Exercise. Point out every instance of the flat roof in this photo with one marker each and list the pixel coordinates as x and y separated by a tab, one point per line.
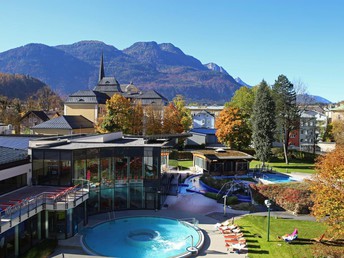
91	141
223	155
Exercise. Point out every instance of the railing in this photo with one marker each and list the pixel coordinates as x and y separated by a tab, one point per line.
13	212
193	221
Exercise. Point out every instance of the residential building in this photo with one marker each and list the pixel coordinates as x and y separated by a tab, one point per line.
203	119
31	119
64	125
337	113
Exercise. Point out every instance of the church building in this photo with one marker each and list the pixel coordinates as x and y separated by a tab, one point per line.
91	103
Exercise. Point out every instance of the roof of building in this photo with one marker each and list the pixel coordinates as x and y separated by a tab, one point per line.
8	155
340	108
73	142
204	112
205	131
213	155
40	114
87	97
66	122
16	141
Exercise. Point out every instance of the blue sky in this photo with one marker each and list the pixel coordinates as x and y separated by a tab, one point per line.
251	39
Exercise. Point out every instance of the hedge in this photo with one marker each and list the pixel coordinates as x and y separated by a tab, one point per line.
294	197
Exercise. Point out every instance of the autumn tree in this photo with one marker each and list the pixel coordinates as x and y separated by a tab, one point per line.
184	114
263	122
338	131
233	129
153	120
118	115
287	112
48	99
328	191
136	118
171	120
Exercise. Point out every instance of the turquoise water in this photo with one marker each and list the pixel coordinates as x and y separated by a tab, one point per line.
140	237
277	178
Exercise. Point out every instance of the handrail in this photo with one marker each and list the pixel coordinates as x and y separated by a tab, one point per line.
192	221
16	208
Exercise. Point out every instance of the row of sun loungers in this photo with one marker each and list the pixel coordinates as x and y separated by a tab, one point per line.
234	238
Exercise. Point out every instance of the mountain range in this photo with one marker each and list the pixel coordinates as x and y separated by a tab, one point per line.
149	65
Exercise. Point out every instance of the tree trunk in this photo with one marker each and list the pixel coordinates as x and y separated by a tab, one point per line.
285	145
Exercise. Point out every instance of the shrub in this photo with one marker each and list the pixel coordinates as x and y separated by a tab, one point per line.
320	250
294	197
43	249
213	196
232	200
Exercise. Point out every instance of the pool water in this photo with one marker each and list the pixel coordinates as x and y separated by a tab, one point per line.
141	237
277	178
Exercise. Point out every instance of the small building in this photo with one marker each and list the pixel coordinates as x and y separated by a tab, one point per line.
31	119
203	137
337	113
203	119
221	162
65	125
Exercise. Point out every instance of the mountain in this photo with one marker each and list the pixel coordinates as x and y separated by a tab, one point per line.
241	82
149	65
311	99
19	86
216	68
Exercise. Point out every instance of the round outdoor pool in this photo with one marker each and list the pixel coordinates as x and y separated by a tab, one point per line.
142	237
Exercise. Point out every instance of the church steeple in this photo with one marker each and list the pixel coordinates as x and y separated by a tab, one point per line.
101	68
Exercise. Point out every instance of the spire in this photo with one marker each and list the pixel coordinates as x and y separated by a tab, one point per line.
101	68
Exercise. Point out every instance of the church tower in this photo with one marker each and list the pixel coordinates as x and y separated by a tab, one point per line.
107	85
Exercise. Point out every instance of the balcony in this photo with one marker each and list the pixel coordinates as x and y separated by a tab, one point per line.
29	201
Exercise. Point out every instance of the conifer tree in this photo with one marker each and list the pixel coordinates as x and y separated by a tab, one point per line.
263	122
287	112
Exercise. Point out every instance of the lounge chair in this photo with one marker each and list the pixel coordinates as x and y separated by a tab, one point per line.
238	247
240	240
233	235
290	237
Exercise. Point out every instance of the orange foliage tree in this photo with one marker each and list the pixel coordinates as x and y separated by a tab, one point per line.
328	191
338	132
153	120
233	129
137	119
117	116
171	121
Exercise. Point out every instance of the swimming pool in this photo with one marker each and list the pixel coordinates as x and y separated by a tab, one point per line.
142	237
269	178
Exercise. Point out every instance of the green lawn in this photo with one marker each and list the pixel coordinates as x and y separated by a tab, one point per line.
255	232
183	164
293	166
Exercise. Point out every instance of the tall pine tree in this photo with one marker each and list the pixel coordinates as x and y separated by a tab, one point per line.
263	122
287	111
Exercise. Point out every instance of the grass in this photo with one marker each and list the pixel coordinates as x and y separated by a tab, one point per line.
183	164
293	166
255	232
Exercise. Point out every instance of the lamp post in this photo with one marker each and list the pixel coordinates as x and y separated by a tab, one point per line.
268	204
224	204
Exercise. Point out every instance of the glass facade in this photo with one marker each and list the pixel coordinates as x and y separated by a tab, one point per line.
120	178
